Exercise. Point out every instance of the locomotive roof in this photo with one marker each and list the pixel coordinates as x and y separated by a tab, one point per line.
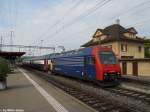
77	52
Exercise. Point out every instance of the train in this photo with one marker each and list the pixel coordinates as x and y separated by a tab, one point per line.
95	63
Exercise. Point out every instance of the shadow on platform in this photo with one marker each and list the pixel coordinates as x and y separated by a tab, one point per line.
19	87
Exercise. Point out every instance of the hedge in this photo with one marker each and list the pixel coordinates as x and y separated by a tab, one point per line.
4	68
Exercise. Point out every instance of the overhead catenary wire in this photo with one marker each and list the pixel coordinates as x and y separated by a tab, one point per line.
16	5
64	26
85	14
88	12
132	9
69	11
44	32
139	23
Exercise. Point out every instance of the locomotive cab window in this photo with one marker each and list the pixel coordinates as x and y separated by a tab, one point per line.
90	60
107	57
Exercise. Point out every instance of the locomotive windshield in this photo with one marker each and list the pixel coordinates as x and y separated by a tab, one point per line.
107	57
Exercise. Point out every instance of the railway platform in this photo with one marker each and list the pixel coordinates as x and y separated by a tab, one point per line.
140	79
29	93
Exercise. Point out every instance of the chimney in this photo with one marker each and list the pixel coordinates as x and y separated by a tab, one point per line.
118	21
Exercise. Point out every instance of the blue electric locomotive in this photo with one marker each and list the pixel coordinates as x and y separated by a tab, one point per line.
92	63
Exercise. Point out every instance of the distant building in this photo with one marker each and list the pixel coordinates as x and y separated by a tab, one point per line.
124	41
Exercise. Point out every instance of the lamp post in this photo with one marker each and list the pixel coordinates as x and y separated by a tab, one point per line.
41	45
11	39
53	49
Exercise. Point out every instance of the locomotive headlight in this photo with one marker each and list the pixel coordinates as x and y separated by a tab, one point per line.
106	76
118	73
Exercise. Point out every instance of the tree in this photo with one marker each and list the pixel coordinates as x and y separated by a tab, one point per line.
4	70
147	48
4	67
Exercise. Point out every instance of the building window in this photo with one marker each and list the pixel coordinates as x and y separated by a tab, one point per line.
127	57
124	47
131	35
108	46
140	48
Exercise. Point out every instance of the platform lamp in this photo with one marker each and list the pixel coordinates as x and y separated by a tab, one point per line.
41	46
53	48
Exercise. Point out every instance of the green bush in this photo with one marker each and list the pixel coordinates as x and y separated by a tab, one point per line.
4	68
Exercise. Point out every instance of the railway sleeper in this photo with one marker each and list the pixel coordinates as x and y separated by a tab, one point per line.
88	99
93	102
98	105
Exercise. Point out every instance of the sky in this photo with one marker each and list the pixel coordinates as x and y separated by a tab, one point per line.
68	23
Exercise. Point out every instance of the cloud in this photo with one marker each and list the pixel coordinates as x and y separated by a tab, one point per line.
47	20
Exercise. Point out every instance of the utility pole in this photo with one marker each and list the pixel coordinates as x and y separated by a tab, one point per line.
54	50
19	49
118	21
41	45
11	40
29	51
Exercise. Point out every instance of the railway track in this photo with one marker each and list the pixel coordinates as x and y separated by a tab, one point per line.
143	97
99	104
131	93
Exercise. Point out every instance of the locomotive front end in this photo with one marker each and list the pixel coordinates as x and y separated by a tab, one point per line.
110	65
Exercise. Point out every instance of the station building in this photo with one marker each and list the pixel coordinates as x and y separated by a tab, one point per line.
127	45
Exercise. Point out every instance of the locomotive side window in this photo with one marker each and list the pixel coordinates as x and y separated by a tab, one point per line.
108	57
90	60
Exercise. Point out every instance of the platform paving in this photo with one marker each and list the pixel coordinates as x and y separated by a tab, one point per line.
22	94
